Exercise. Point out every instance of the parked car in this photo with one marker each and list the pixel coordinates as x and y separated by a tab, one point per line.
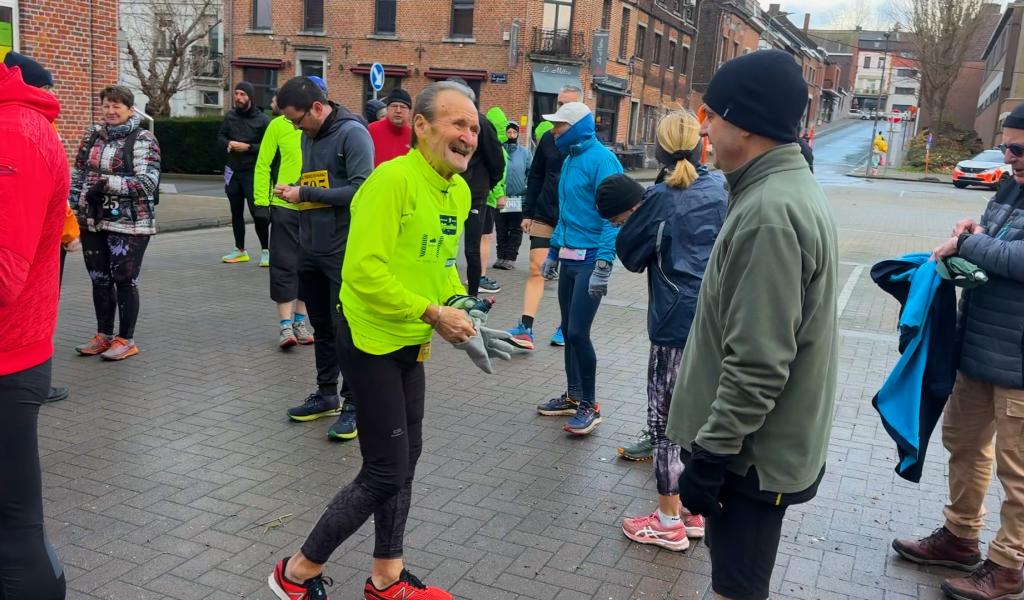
987	169
854	113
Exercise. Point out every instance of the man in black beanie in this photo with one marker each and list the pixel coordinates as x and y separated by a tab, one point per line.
240	136
753	403
988	398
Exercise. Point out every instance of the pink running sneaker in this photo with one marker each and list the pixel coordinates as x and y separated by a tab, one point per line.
649	530
694	524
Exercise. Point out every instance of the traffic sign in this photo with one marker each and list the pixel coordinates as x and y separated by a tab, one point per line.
377	77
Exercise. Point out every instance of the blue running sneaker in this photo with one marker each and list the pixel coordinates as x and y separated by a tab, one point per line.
587	419
522	336
558	407
557	339
315	407
345	427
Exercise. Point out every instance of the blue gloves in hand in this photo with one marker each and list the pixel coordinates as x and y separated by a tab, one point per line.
701	482
549	269
599	279
487	343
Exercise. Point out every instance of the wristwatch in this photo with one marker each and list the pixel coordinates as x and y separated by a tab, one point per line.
603	264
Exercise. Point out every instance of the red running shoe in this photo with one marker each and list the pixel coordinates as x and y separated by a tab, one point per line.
408	587
285	589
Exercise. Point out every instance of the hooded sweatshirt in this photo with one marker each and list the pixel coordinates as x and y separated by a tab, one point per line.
246	126
586	165
34	184
284	142
497	118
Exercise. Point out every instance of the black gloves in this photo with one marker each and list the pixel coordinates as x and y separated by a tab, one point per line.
94	201
701	482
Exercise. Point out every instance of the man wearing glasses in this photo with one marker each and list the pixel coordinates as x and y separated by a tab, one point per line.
337	157
988	399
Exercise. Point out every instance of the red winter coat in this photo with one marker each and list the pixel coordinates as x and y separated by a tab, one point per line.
34	183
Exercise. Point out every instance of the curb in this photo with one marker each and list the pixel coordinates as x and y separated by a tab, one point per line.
922	179
199	223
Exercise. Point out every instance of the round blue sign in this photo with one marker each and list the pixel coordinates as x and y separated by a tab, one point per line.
377	76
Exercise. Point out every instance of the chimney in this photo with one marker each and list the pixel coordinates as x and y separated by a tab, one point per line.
773	9
807	21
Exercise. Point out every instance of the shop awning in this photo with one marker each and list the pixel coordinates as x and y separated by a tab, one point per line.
261	63
389	71
549	78
608	84
467	74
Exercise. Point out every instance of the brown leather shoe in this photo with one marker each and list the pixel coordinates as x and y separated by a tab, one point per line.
940	548
988	582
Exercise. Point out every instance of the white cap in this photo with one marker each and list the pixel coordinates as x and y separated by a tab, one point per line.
571	113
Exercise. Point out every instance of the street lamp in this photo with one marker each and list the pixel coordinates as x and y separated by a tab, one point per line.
878	101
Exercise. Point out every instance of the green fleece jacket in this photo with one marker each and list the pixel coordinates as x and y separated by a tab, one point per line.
281	136
758	375
497	118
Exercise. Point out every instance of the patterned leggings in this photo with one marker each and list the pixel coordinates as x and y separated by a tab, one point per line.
662	369
114	261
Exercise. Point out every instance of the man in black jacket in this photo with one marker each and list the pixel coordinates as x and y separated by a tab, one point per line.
337	157
240	136
988	398
486	169
540	215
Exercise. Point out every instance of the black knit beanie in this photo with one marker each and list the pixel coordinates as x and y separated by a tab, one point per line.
32	73
400	95
763	93
246	87
617	194
1015	120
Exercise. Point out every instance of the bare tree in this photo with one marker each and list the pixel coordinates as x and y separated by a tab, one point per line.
857	13
166	44
942	30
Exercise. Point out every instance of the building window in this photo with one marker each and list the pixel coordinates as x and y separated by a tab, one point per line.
311	66
314	11
905	91
606	117
881	62
558	15
164	29
386	15
261	14
735	49
867	62
657	48
390	83
650	124
684	60
606	15
462	19
672	54
641	35
906	73
624	34
209	97
264	83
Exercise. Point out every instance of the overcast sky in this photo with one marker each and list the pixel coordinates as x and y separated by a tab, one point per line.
829	13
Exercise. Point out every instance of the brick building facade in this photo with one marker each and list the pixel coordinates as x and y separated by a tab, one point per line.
77	41
728	29
515	54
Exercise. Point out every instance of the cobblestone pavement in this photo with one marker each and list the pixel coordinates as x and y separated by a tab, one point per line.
161	473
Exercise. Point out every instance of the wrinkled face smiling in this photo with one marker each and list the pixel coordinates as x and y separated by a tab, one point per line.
450	140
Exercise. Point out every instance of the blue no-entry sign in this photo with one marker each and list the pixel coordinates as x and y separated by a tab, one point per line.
377	77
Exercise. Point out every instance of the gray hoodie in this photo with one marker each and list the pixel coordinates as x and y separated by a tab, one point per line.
334	164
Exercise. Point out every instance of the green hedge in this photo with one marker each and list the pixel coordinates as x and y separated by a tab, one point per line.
189	144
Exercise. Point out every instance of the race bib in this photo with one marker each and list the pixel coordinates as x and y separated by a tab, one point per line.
318	179
513	204
424	354
572	254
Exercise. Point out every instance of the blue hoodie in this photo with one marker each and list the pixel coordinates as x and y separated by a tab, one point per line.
587	164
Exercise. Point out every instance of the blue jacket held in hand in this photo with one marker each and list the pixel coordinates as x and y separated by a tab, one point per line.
913	396
671	235
586	165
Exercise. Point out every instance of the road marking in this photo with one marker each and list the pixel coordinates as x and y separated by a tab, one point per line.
869	335
844	295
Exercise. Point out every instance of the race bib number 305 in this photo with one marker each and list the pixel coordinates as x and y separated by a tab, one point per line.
316	179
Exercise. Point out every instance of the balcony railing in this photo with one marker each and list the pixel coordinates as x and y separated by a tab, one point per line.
207	64
558	42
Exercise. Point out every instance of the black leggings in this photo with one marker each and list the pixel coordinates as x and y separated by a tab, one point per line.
29	569
114	261
473	232
319	287
509	227
390	439
239	192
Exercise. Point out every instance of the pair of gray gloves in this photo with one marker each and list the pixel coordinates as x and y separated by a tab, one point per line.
598	284
488	343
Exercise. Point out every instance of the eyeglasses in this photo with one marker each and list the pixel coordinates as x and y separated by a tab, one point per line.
1015	149
297	122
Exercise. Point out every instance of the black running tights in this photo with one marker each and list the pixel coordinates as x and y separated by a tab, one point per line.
389	390
29	569
114	262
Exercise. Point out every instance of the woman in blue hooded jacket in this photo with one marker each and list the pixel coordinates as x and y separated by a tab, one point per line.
668	231
582	250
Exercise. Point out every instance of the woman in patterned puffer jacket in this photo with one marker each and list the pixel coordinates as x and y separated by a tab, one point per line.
114	188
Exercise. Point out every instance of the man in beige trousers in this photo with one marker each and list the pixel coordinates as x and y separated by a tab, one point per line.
988	399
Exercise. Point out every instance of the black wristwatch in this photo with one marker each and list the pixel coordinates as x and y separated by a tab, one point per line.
960	240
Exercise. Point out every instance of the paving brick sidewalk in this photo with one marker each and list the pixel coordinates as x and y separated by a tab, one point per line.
161	472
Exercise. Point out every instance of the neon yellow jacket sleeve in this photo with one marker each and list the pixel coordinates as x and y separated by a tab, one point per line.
261	185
